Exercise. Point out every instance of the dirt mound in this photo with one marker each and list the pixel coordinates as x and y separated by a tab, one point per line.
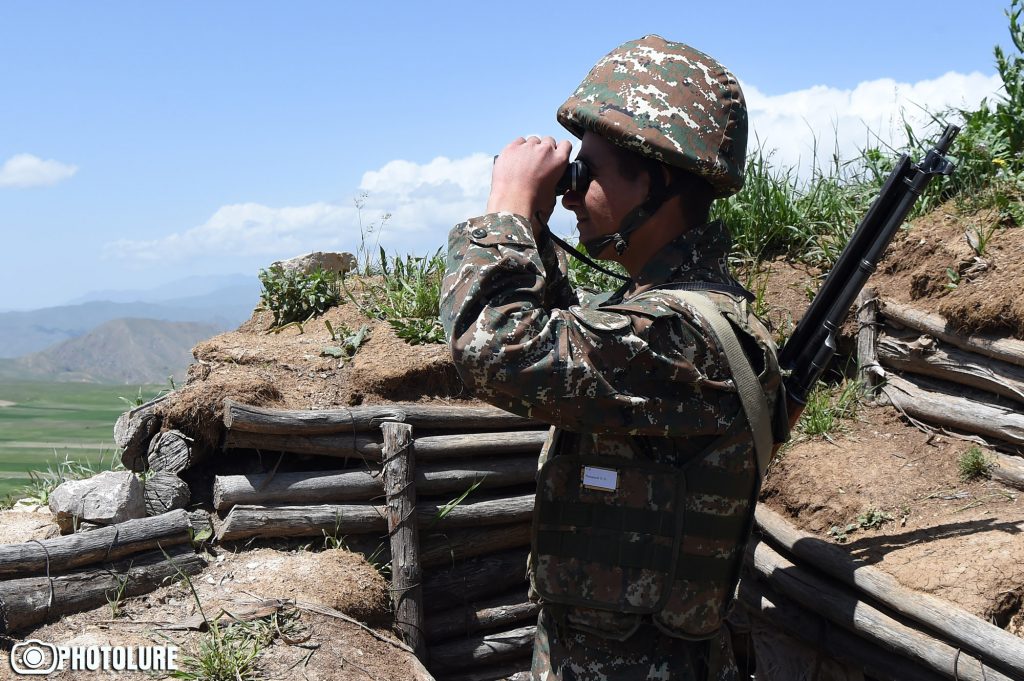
293	368
893	495
968	268
303	640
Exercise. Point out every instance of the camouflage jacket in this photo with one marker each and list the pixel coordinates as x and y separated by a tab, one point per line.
637	377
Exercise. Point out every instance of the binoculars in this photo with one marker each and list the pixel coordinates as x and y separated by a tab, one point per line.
575	178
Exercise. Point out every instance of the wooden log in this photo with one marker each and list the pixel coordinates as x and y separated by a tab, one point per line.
299	488
961	413
27	602
403	528
454	656
763	602
517	669
243	417
304	521
429	448
1006	349
444	549
1008	470
171	451
315	487
997	648
102	544
868	370
500	612
202	527
164	491
843	607
133	430
923	355
474	579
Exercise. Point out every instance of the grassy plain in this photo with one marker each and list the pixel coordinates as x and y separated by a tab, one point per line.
41	424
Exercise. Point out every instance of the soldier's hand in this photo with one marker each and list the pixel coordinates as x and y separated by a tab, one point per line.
525	175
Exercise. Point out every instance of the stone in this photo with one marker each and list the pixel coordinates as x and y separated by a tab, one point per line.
29	506
328	261
104	499
164	491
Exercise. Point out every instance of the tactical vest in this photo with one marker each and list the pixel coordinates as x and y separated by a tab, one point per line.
619	535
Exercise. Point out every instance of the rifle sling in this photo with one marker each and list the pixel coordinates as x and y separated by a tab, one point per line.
755	406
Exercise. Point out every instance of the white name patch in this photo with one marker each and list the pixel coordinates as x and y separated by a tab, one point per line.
604	479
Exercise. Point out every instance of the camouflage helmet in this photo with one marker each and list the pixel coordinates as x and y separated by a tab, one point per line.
666	101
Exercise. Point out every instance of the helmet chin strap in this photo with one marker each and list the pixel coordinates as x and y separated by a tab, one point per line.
658	194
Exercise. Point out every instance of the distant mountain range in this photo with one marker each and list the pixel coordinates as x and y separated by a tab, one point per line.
130	337
128	351
226	306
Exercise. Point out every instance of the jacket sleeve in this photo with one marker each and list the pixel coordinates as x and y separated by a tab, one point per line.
648	368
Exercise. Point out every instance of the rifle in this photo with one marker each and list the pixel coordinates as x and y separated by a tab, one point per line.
807	352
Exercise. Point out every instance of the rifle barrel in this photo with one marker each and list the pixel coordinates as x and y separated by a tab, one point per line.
808	351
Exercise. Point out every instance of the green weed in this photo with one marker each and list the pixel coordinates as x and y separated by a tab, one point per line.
349	341
224	653
828	406
451	505
42	482
229	651
870	519
407	296
974	464
115	599
954	278
294	297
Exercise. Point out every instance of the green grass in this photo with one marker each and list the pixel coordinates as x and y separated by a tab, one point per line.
51	422
407	296
974	464
828	406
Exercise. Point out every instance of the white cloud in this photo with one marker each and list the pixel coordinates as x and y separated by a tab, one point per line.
26	170
871	114
425	200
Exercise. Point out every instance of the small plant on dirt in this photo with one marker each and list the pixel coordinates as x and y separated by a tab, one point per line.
294	296
841	533
348	341
754	277
115	597
873	518
407	296
954	279
827	407
335	540
870	519
226	652
979	236
973	464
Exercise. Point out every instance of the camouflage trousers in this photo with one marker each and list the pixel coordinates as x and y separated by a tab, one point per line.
561	653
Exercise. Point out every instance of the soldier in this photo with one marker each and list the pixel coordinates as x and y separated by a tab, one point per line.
647	484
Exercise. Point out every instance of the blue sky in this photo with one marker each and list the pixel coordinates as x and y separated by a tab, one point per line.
143	142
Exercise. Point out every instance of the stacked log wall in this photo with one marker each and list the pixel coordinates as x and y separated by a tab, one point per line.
473	484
